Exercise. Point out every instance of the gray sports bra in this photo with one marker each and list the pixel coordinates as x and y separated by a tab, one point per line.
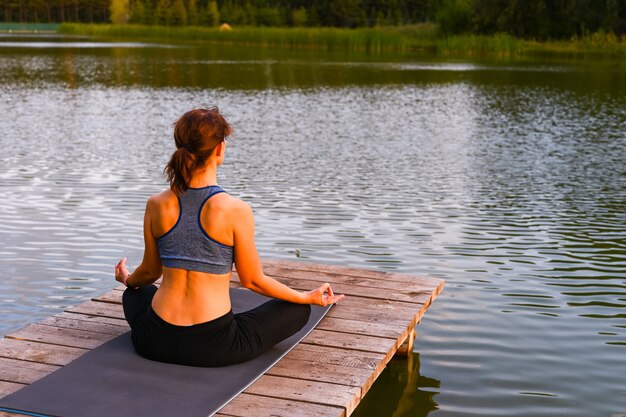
187	245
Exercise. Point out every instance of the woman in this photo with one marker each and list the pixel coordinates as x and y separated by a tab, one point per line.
193	234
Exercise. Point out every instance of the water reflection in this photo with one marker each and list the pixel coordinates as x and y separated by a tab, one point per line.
77	45
401	391
238	67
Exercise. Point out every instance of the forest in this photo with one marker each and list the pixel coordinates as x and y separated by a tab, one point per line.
524	19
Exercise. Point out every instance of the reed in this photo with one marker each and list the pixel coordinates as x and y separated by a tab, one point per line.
499	44
366	39
599	43
424	38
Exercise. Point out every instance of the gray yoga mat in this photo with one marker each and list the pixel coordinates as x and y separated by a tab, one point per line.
113	380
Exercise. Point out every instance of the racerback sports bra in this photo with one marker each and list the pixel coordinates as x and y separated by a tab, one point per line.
187	245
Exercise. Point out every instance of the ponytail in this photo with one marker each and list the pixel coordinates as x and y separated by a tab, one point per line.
196	134
178	170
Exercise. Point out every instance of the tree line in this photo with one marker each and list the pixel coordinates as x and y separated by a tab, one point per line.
538	19
54	11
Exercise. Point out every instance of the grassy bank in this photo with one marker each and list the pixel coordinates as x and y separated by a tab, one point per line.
417	38
368	39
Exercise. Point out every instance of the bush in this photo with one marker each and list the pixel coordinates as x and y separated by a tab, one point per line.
455	16
299	17
269	16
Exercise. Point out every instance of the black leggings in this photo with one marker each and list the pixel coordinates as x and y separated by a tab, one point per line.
229	339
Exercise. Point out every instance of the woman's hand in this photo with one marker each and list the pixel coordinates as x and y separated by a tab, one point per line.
121	272
324	295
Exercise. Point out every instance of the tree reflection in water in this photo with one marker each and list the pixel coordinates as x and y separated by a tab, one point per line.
399	393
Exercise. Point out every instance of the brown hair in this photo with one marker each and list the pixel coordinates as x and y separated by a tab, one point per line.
196	134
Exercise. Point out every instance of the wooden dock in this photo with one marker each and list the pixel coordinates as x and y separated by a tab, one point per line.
327	374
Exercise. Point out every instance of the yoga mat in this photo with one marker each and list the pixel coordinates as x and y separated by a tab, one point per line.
113	380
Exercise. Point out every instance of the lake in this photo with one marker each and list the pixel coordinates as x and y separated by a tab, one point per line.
507	178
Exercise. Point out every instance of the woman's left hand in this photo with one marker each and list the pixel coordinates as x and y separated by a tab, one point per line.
324	296
121	272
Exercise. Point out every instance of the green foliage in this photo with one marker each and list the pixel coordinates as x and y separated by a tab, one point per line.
237	15
269	16
299	17
211	15
455	16
162	13
344	13
313	17
523	19
119	10
193	16
179	13
139	13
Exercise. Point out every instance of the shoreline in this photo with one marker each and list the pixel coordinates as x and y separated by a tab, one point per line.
417	39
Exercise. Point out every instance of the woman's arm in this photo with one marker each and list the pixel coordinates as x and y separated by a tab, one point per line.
251	274
150	268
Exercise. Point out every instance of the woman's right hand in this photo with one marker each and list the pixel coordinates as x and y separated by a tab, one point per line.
121	272
324	295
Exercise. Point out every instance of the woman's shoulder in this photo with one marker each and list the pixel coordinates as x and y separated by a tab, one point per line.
231	203
161	200
163	196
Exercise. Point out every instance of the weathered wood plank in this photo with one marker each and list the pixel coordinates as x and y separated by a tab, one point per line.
249	405
101	309
94	319
417	284
38	352
341	270
321	372
343	325
7	388
348	341
306	391
348	310
336	356
114	297
83	324
61	336
23	372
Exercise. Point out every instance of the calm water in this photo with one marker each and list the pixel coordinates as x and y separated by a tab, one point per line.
508	179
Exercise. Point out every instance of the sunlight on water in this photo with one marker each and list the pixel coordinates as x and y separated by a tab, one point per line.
510	184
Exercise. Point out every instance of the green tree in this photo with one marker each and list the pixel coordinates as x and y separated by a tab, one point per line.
530	19
162	13
343	13
193	17
299	17
238	12
211	14
138	12
269	16
120	12
179	13
455	16
611	16
313	18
